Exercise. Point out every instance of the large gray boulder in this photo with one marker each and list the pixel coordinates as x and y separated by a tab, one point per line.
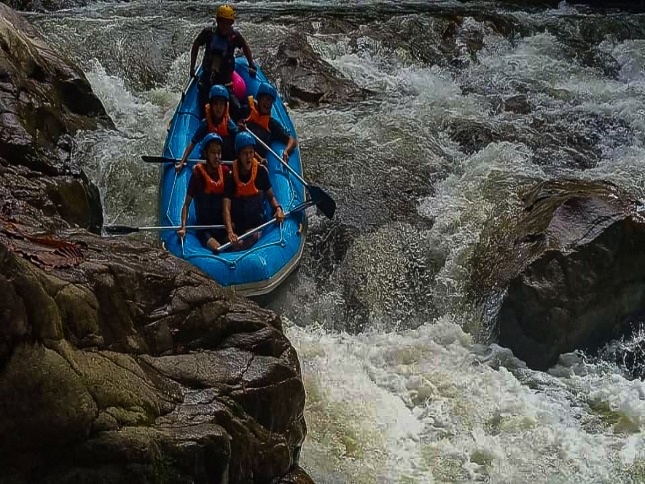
122	362
304	77
567	274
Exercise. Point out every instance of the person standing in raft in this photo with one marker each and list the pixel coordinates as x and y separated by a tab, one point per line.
245	193
206	187
218	64
217	121
260	122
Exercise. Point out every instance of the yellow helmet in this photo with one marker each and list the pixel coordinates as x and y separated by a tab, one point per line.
226	12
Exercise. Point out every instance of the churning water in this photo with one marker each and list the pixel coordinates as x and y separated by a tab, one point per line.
469	103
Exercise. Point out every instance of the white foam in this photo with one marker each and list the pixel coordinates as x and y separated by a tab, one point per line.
423	405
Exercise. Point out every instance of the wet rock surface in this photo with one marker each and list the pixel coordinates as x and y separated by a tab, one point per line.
118	362
134	361
304	78
567	274
45	5
629	5
44	101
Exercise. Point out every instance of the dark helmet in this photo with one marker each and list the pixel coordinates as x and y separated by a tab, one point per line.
218	91
208	139
242	140
267	89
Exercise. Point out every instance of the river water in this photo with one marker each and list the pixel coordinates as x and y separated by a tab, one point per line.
469	104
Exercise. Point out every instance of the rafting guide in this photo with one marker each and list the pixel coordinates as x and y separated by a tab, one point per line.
218	64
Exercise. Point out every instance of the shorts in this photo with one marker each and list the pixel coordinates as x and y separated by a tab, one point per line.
204	235
244	226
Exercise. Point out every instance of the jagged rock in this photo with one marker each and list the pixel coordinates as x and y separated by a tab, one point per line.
569	273
305	77
44	100
81	367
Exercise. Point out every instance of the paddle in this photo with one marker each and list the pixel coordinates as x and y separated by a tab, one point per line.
128	229
164	159
248	234
322	199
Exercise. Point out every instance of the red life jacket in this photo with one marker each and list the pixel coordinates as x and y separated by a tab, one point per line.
222	128
255	116
247	189
211	186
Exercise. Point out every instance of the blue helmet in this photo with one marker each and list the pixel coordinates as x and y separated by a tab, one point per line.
268	89
242	140
208	139
218	91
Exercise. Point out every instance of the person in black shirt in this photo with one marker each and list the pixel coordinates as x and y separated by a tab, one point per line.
218	64
260	122
246	189
206	187
217	121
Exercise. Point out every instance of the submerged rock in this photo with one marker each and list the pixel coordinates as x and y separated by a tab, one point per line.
628	352
553	142
568	274
118	362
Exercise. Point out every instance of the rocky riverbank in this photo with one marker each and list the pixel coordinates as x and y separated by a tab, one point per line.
118	362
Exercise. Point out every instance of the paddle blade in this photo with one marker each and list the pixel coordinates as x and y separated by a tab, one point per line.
120	229
323	200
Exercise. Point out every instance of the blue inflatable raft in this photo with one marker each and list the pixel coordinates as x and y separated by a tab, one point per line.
269	261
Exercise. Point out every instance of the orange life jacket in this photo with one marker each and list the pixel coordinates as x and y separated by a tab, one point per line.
211	187
247	189
256	117
222	127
